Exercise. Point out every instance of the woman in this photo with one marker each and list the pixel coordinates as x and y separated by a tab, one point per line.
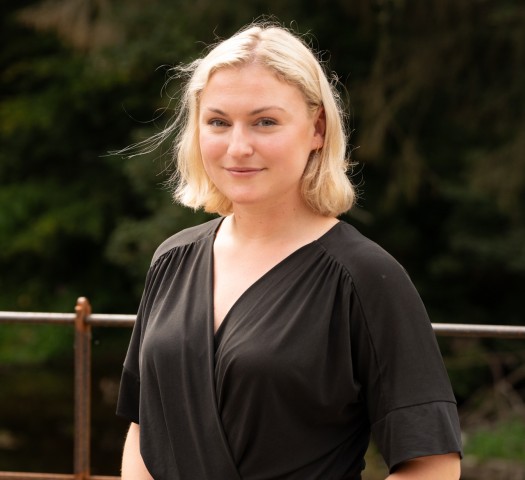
271	341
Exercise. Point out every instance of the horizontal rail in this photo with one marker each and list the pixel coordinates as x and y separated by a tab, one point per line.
113	320
120	320
37	317
97	319
479	331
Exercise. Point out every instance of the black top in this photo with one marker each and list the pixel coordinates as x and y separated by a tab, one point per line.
331	344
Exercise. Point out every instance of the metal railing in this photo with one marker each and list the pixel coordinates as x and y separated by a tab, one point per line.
83	320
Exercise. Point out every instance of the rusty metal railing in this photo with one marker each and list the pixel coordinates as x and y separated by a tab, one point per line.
83	320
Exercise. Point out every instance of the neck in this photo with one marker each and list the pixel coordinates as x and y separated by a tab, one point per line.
273	224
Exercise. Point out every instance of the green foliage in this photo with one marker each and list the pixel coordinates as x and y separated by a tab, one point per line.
504	440
34	344
436	105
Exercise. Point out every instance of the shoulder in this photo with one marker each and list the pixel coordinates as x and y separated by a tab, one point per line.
361	257
187	236
387	296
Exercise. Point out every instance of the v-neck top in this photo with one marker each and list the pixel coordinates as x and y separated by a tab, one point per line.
331	345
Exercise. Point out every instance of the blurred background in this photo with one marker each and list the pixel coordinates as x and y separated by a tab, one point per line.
435	98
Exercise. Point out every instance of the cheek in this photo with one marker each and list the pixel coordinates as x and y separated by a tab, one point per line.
211	148
293	152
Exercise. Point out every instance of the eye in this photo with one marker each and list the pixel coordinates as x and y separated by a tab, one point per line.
266	122
217	122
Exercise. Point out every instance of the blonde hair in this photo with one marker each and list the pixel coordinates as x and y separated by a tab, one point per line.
326	189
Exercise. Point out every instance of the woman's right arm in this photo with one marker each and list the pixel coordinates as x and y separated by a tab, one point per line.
133	467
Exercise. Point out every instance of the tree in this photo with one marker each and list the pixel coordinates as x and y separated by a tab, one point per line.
436	104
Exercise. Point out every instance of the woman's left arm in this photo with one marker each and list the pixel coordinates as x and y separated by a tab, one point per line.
433	467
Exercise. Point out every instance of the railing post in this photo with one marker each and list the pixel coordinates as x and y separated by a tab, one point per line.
82	447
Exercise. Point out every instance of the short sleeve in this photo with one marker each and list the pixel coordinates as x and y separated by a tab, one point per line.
129	392
410	403
416	431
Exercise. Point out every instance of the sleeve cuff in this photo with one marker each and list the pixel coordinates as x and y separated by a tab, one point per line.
417	431
129	395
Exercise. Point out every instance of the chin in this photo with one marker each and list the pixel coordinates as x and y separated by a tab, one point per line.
244	198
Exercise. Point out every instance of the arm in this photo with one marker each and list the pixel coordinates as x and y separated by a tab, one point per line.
133	467
433	467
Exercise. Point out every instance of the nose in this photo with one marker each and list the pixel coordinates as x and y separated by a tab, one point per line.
240	144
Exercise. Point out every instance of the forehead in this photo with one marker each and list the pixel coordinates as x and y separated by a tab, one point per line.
251	83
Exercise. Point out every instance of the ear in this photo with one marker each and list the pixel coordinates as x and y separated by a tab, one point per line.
319	129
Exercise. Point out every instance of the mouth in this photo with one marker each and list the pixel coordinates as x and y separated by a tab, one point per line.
243	171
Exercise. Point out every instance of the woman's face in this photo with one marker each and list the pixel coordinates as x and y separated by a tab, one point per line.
256	135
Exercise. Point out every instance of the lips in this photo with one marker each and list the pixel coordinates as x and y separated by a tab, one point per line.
243	171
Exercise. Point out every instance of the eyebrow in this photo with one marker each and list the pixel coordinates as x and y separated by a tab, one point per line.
253	112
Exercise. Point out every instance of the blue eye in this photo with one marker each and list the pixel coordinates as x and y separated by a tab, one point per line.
217	122
266	122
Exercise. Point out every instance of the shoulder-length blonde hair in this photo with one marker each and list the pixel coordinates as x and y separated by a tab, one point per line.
326	188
